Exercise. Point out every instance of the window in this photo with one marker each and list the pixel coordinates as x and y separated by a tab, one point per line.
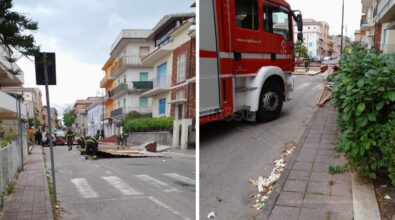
180	112
143	76
162	106
181	68
162	75
276	21
247	14
143	102
310	44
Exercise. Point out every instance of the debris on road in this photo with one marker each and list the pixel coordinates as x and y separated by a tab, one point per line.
326	95
211	215
219	199
387	197
265	184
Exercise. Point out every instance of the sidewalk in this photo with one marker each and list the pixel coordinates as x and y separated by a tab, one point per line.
30	198
307	190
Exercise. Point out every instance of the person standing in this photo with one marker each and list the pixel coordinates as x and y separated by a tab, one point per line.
102	134
70	139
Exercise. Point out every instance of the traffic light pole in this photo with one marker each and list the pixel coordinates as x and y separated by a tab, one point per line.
49	125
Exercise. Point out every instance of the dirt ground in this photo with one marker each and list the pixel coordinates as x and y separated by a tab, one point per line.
387	206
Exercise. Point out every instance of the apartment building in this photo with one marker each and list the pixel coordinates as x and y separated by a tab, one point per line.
32	98
127	78
384	16
9	102
94	118
54	119
166	38
315	37
108	84
80	111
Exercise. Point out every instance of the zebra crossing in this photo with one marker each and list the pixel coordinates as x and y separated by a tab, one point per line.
87	190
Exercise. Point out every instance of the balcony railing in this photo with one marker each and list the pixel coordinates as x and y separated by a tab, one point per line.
124	62
121	88
162	81
364	22
105	80
141	85
125	110
130	86
387	48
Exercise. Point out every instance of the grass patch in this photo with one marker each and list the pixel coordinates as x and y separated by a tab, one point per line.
50	186
10	188
331	182
328	214
335	169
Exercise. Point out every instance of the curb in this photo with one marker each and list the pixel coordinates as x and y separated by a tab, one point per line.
48	198
269	205
364	199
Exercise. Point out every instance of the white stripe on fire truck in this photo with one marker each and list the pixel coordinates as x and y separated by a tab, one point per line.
256	56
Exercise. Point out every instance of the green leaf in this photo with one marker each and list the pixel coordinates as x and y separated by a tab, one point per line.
360	108
391	95
372	175
380	105
372	116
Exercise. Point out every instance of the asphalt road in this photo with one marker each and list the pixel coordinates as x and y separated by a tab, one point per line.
231	153
124	188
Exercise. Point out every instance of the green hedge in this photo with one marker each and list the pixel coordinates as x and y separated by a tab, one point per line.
364	94
148	124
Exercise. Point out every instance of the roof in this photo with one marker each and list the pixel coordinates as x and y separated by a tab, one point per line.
167	19
137	34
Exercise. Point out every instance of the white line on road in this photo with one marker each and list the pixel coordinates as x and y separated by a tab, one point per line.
108	172
181	178
84	188
121	185
157	183
96	165
167	207
303	85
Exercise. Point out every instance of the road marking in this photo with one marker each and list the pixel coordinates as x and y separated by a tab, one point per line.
108	172
162	204
303	85
105	200
121	185
84	188
157	183
96	165
181	178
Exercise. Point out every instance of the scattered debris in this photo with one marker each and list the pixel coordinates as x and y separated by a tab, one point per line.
265	184
211	215
383	186
163	160
219	199
387	197
57	206
326	94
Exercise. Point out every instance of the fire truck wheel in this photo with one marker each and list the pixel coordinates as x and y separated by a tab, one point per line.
270	102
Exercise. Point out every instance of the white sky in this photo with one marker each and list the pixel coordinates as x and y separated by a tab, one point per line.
82	31
331	12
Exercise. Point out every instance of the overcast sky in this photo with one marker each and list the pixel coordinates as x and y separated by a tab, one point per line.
81	32
331	12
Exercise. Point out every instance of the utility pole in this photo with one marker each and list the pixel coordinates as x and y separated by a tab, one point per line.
341	44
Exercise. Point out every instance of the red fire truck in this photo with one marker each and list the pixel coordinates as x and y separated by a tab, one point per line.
246	57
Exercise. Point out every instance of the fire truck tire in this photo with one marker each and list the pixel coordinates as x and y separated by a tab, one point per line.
270	102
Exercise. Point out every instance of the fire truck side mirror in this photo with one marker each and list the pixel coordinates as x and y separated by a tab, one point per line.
299	21
300	36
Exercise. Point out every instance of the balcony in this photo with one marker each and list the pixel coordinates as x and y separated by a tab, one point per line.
385	11
106	81
364	22
6	77
366	4
158	53
134	86
367	26
160	85
120	113
126	62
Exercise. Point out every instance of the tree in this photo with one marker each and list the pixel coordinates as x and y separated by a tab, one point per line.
31	122
301	50
68	117
14	34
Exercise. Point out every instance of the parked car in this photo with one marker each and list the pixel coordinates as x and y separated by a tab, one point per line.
45	141
60	137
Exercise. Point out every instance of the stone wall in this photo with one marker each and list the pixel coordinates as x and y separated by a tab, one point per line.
161	138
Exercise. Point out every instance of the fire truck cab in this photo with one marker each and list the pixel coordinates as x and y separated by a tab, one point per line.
246	58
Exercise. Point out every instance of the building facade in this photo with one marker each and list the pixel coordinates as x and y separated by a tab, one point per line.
384	16
130	78
80	112
54	119
94	118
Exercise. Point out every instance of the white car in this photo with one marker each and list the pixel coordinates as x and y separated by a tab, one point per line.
327	58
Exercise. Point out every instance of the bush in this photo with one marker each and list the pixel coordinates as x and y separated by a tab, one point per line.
135	115
364	94
148	124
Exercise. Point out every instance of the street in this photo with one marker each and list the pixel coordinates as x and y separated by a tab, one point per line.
232	153
124	188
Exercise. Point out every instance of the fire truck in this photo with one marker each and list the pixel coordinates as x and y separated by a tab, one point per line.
246	58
